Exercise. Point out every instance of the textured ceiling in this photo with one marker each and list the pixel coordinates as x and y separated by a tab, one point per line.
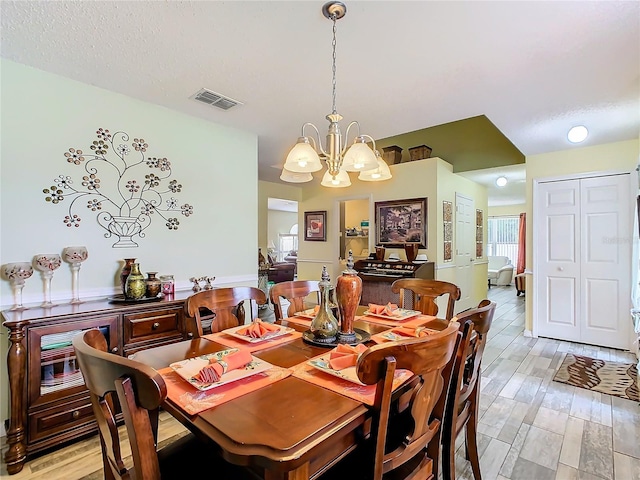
533	68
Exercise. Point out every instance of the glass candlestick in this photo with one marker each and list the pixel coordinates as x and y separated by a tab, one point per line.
46	263
75	256
17	273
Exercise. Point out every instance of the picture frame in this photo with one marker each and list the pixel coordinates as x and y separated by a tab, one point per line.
315	226
399	222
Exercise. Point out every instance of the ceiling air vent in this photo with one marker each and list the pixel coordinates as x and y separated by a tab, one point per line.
215	99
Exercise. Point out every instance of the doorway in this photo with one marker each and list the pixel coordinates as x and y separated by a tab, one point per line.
354	228
464	249
282	228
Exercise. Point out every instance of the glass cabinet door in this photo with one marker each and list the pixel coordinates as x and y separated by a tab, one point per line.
53	367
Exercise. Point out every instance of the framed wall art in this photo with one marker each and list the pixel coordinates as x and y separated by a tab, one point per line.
315	226
447	221
399	222
479	233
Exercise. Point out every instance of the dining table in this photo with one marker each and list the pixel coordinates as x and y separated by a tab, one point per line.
292	422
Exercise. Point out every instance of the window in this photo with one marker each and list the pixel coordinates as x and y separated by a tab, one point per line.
287	242
502	237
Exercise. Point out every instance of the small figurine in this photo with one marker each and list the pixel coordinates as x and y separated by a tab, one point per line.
196	285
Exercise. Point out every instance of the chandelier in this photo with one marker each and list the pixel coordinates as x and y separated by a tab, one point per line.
305	156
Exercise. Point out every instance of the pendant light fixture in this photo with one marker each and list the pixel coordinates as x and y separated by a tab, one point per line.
305	157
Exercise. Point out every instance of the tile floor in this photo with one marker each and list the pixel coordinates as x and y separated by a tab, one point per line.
530	428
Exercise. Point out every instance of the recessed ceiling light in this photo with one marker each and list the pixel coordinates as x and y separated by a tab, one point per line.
501	181
578	134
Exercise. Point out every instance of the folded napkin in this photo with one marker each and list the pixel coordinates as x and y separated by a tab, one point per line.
212	372
258	329
390	309
415	332
344	356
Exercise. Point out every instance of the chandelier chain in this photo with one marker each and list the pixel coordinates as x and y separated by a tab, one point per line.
333	45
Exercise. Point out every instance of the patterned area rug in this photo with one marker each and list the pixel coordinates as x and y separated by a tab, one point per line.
614	378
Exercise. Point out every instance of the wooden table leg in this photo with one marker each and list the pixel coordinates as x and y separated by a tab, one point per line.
300	473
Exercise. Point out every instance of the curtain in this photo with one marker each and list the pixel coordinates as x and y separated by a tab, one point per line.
522	238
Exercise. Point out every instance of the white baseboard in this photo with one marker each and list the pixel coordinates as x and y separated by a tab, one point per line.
528	333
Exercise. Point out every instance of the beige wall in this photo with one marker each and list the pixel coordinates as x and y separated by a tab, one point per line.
507	210
431	178
43	115
610	157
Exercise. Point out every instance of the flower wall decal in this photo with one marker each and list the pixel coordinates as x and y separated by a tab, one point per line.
117	184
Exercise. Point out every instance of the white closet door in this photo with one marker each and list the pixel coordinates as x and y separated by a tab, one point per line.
606	260
558	273
583	252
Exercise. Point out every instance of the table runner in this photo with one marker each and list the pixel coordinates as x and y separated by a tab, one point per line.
361	393
222	338
416	321
193	401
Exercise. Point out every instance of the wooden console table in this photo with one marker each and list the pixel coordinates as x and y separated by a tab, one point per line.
49	401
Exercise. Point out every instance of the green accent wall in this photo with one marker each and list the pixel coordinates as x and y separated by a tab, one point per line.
470	144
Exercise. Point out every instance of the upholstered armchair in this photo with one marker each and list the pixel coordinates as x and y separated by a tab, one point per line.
500	270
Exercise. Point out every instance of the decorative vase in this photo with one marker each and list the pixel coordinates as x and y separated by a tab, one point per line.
380	253
420	152
136	286
411	250
348	292
124	273
153	284
324	326
392	154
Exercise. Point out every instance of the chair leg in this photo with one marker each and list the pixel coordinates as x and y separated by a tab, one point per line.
471	443
449	458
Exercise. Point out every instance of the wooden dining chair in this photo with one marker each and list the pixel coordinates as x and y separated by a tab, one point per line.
405	436
119	385
223	306
461	411
425	292
295	292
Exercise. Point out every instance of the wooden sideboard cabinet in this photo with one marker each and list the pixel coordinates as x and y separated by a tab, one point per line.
49	402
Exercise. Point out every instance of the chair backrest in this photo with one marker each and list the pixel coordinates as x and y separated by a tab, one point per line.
139	391
426	292
222	302
427	358
466	370
295	292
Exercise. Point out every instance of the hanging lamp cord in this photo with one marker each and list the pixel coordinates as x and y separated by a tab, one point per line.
333	45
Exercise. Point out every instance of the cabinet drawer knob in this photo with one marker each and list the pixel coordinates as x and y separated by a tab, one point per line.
75	414
114	350
155	325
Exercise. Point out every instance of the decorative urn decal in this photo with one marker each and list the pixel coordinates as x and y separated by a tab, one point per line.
124	187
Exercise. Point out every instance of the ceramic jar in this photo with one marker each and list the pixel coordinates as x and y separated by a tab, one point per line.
136	287
324	326
153	285
411	250
348	293
124	273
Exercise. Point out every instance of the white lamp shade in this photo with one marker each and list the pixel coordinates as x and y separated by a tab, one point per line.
295	177
341	180
501	181
303	158
382	172
359	158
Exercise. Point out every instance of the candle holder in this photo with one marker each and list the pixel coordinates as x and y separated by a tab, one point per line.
46	264
75	256
17	273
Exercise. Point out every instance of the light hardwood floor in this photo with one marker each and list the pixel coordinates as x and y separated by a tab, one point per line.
530	428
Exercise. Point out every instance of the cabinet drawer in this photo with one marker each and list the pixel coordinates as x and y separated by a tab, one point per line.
139	327
58	419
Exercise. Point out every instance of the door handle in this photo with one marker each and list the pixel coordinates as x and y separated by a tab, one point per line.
560	269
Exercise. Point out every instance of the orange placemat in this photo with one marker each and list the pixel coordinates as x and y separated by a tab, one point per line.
193	401
416	321
380	338
299	320
223	339
361	393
